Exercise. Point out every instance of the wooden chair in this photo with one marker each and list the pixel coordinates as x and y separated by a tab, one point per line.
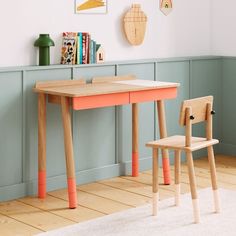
192	111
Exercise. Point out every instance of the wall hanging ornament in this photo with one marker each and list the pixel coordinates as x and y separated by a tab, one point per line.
166	6
135	22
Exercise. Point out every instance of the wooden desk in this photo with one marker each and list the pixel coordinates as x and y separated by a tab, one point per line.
79	95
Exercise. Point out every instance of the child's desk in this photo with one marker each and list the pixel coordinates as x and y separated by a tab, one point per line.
79	95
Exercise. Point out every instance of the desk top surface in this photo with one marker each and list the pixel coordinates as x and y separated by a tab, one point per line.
74	89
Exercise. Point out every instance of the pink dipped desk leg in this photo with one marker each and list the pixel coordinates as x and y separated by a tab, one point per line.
41	145
71	182
135	156
70	169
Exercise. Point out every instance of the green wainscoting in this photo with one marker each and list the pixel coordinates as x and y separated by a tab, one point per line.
228	103
11	130
102	137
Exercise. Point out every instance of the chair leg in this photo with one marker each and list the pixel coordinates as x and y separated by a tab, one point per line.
193	188
177	177
155	180
211	160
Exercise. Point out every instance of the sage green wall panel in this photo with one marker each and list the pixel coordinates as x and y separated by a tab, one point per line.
55	142
10	128
146	115
94	138
206	80
88	72
229	102
94	130
174	72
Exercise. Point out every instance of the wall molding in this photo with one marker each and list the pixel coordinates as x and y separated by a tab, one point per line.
112	63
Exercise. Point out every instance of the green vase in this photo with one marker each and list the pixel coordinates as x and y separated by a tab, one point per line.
44	42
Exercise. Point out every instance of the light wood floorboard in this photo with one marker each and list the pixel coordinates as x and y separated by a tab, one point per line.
30	215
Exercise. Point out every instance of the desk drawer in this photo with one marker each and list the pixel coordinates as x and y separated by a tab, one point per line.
103	100
153	95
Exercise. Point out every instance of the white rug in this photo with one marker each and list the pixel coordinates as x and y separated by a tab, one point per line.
170	220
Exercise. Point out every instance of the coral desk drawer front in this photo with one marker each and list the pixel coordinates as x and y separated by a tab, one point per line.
103	100
153	95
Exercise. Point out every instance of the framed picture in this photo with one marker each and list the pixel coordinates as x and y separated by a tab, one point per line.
91	6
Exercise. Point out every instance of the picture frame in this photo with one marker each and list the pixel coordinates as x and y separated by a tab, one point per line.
91	6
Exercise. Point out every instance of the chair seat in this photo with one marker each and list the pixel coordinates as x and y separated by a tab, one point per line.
177	142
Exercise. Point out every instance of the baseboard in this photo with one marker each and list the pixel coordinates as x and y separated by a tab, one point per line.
58	182
12	191
227	149
82	177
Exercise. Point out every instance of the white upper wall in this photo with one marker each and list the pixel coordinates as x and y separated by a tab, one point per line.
185	32
223	27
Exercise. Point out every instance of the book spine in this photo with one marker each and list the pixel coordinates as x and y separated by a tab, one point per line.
81	49
78	49
91	52
74	49
94	52
87	48
84	57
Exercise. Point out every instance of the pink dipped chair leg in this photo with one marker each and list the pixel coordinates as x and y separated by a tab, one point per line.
155	181
211	160
177	177
193	187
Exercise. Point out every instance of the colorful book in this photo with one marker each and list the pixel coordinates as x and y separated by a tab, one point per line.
79	48
94	52
91	52
88	39
84	50
68	51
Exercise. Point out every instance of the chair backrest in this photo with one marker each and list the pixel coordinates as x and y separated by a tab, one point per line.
104	79
195	111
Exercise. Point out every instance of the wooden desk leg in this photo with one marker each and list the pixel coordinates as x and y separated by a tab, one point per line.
163	134
70	169
135	158
41	145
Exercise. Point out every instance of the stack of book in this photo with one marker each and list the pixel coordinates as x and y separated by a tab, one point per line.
78	48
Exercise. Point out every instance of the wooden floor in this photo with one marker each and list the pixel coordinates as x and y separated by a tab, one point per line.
29	215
